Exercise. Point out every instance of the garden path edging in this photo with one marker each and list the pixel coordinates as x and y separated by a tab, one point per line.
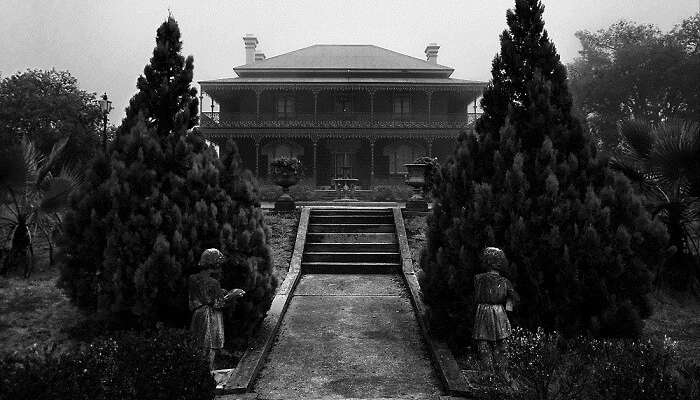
443	359
243	376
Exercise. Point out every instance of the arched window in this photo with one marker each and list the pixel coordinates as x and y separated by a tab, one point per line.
400	154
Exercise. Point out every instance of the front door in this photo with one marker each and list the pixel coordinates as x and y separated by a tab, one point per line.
342	165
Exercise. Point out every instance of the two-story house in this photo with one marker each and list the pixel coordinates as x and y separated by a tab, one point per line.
358	110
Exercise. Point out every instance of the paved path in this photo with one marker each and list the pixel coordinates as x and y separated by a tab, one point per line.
352	334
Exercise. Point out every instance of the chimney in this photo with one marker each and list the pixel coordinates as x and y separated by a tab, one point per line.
250	42
431	52
259	56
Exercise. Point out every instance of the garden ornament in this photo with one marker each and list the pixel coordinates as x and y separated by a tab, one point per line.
493	295
207	299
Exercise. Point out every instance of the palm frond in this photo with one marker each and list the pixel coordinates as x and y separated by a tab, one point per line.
55	196
13	172
32	159
638	138
48	163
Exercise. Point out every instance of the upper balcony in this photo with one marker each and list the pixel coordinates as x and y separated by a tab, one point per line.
345	107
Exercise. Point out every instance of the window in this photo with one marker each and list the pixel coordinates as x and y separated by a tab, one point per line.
285	107
400	154
343	104
402	105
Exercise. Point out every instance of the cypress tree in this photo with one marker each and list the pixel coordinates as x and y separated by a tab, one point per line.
146	212
581	246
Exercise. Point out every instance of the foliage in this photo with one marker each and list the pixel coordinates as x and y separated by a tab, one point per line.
432	172
391	192
46	107
136	229
286	166
164	364
302	191
631	71
30	199
580	243
664	160
547	366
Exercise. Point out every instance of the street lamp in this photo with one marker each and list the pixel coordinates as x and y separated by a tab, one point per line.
105	107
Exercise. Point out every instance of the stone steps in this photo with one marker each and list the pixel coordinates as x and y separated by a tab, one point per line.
313	256
352	219
351	241
350	237
325	267
353	247
351	228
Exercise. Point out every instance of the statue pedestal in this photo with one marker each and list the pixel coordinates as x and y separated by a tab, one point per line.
285	203
417	202
345	188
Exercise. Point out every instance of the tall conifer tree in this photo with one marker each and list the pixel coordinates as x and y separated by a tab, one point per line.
581	245
138	226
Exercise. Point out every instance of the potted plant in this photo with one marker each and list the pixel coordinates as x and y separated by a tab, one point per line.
416	178
286	172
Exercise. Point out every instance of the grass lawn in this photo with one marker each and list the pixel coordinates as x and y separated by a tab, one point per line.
35	312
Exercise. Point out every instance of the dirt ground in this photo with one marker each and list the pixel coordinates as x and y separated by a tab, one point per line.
34	312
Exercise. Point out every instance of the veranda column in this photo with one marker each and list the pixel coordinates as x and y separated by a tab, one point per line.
315	142
257	158
429	94
371	163
371	106
315	92
430	147
257	103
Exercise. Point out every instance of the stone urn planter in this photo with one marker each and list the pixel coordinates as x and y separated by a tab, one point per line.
416	179
285	173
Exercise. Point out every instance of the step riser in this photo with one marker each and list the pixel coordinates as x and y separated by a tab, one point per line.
351	219
351	212
351	257
353	247
349	269
366	228
388	238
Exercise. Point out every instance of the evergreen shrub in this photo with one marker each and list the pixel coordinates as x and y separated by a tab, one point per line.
582	248
136	228
163	364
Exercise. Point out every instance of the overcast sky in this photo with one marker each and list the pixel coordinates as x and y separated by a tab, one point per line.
105	44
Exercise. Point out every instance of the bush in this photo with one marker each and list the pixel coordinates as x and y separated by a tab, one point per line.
391	193
581	245
548	366
136	229
164	364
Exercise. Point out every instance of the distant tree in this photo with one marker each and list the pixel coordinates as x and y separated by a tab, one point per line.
664	160
47	106
30	198
631	71
581	245
136	230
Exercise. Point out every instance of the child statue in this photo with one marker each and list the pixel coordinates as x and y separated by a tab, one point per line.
493	295
207	299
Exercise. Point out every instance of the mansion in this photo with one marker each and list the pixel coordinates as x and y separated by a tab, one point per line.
357	110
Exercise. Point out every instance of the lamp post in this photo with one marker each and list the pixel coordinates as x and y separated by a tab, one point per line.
105	107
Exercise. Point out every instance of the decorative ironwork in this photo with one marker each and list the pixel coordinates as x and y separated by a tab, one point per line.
342	120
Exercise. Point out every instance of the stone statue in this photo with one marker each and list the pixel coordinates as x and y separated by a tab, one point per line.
207	299
493	295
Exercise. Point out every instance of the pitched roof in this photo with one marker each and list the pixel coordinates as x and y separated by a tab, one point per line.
341	80
343	58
